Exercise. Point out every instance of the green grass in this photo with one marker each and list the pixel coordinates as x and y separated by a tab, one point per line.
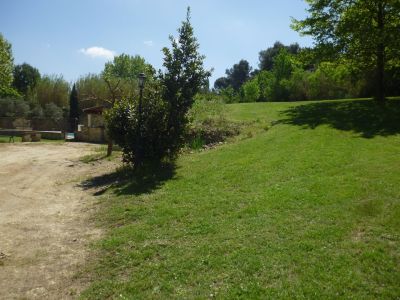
100	153
17	139
308	209
6	139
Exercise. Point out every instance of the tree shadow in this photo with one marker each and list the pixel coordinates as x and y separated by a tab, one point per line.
126	181
365	117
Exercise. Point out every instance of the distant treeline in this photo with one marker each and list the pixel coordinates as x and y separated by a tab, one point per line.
292	73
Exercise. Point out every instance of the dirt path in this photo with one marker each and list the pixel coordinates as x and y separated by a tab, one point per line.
44	225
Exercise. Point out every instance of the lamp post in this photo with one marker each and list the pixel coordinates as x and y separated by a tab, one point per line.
142	79
138	154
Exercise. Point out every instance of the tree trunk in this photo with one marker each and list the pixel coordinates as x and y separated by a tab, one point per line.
380	56
109	148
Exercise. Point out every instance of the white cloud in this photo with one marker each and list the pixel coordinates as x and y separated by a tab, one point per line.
98	52
148	43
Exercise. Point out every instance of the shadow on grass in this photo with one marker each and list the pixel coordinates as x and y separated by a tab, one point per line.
126	181
365	117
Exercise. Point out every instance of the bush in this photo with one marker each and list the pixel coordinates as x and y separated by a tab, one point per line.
53	112
251	91
208	124
37	111
13	108
145	136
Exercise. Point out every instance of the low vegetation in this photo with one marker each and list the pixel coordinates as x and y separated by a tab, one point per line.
306	209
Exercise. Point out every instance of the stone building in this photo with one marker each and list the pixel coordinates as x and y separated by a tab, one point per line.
93	129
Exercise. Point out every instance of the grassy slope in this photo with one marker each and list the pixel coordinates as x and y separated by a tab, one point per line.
292	212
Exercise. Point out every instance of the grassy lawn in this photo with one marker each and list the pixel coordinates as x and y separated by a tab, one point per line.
305	205
100	153
6	139
17	139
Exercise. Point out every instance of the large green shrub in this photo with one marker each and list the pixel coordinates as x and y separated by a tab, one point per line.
251	90
158	130
145	134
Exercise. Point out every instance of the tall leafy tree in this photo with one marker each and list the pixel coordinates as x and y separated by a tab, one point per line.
120	76
73	108
6	68
183	78
267	56
26	78
239	74
365	31
52	89
221	83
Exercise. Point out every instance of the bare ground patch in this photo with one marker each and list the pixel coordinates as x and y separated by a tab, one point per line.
44	219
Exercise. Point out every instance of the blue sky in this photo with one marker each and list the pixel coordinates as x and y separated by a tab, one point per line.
76	37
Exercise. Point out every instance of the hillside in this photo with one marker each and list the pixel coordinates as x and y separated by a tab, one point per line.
304	204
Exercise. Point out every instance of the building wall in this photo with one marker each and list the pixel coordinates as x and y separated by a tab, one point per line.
91	135
95	120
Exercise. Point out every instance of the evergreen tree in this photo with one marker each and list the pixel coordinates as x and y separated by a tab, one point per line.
73	108
183	79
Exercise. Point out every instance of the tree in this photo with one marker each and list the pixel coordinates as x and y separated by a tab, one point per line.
364	31
73	108
6	69
267	56
221	83
155	130
239	74
52	89
26	78
251	90
92	91
182	80
13	107
53	112
121	76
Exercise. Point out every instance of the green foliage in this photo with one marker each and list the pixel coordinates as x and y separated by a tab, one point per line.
53	112
208	123
36	111
267	57
156	129
148	130
221	83
251	90
120	76
364	31
238	74
92	91
182	80
6	68
52	89
26	79
288	81
229	95
10	107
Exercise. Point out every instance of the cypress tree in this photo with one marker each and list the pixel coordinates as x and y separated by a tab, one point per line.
73	108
